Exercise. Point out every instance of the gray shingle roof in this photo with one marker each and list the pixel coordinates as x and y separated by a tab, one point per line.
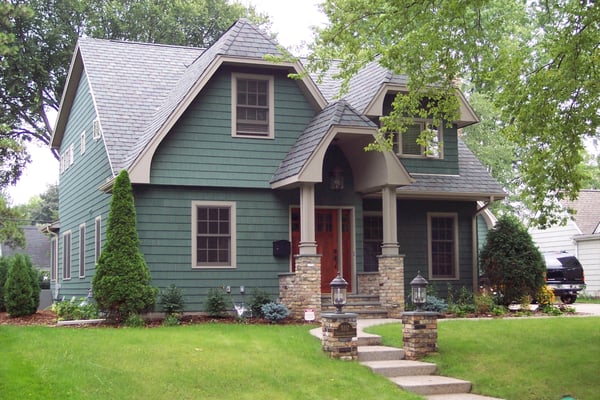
335	114
587	207
129	82
362	87
37	247
137	86
472	181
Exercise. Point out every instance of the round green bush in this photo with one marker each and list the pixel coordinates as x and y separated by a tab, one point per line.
511	261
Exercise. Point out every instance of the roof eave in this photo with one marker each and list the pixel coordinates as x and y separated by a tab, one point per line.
68	97
139	170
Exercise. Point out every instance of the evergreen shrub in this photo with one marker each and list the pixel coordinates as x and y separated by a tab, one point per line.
258	299
4	264
121	283
275	312
216	303
511	261
22	289
172	301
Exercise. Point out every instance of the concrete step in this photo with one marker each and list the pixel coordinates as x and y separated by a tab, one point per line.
379	353
395	368
426	385
460	396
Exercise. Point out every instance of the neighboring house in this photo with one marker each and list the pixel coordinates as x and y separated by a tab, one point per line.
245	177
37	247
580	236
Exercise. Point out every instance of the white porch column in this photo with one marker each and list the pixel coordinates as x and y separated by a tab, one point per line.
308	244
390	230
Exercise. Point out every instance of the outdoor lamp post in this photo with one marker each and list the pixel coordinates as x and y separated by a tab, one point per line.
418	291
338	292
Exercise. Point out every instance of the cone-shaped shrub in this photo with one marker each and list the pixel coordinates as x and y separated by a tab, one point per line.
22	289
512	262
4	264
121	283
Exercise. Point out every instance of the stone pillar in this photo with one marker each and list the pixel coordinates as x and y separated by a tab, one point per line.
419	332
391	284
302	290
340	340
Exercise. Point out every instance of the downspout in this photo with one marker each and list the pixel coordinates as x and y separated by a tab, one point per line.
475	244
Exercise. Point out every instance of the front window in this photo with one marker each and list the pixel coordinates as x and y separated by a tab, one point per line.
213	234
253	104
407	144
443	245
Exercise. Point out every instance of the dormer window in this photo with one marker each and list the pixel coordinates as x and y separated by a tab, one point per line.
253	106
406	145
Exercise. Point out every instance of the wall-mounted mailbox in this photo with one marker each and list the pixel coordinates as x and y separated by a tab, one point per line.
281	248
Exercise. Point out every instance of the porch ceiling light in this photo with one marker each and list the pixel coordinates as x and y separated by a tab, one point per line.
336	182
418	291
338	292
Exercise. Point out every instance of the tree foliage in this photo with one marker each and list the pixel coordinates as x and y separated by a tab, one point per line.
37	38
512	262
121	283
536	60
11	219
43	209
22	288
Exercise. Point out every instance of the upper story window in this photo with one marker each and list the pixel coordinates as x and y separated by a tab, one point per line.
82	142
253	106
406	145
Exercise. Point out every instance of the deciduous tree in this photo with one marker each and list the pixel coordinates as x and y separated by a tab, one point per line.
536	60
37	38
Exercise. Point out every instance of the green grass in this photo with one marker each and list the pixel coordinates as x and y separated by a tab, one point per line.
208	361
518	359
588	299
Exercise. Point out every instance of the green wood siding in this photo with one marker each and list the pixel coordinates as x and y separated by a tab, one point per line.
165	228
412	237
200	151
80	201
448	165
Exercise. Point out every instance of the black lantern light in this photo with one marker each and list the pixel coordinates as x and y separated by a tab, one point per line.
418	291
338	292
337	179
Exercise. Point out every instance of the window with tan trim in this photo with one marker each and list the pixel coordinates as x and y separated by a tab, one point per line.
213	234
405	144
252	111
66	256
442	232
82	251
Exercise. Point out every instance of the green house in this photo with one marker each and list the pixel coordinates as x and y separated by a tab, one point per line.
243	176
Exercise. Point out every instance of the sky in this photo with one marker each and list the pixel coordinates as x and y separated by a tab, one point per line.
291	21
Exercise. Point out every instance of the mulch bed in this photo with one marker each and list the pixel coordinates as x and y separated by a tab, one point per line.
45	317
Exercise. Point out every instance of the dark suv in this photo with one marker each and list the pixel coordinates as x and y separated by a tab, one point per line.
564	274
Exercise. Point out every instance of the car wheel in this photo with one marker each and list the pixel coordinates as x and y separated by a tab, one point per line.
570	299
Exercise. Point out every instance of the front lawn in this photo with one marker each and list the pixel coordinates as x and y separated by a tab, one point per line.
531	358
207	361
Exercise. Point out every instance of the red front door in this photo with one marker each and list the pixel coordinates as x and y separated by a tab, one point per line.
333	235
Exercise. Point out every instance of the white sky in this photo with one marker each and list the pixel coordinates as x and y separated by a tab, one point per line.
292	21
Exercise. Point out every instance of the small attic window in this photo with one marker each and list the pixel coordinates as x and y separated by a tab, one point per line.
96	131
252	109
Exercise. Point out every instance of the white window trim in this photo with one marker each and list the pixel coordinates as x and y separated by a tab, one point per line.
54	258
97	238
456	247
234	77
96	130
67	256
71	154
422	123
233	230
82	144
82	235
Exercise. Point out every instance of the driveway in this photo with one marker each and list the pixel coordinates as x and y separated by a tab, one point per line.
587	309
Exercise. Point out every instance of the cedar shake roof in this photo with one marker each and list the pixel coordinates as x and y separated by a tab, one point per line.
587	211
